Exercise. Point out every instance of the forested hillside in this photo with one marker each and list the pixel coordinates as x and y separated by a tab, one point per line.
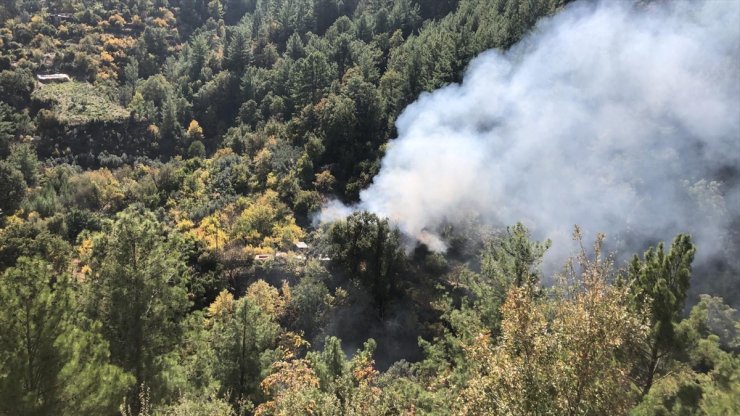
163	164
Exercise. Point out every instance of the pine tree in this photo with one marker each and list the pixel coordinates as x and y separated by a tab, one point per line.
511	261
23	157
309	79
294	48
660	281
369	249
50	365
240	337
238	53
137	294
12	188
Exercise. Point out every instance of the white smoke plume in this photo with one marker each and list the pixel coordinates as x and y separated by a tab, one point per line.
621	118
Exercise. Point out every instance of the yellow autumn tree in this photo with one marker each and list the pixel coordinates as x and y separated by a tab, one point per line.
324	384
285	234
266	224
222	306
569	354
293	388
211	232
194	132
267	298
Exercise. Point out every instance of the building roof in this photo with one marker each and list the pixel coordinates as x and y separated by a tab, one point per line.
301	245
53	77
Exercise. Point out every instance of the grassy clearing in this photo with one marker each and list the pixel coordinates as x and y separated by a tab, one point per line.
79	102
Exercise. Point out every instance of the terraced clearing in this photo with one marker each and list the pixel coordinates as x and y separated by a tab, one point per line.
79	103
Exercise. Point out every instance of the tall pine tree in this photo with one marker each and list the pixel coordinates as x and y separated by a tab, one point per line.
49	364
659	281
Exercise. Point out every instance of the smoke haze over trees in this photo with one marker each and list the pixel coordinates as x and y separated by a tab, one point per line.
619	118
369	207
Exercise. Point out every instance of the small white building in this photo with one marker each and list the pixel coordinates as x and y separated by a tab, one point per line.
300	245
53	78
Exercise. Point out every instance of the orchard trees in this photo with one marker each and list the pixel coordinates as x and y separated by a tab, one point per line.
266	223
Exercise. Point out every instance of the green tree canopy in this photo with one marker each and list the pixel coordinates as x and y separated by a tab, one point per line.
659	281
49	364
12	188
368	248
137	292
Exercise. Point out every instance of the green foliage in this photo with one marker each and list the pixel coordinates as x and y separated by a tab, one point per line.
136	289
660	281
706	379
712	316
50	365
12	124
310	301
564	355
78	103
309	79
211	406
368	249
152	245
241	337
330	365
23	157
78	220
154	91
511	260
32	239
196	149
227	351
325	383
12	187
16	87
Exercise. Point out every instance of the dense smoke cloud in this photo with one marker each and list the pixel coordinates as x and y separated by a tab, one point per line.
620	118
